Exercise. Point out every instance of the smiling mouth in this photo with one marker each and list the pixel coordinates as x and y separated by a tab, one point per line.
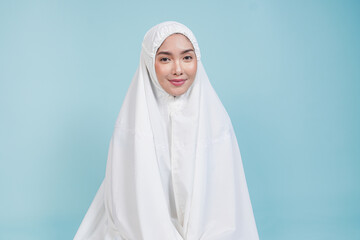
177	82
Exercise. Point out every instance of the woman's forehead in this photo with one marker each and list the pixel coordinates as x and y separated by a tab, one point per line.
176	41
156	36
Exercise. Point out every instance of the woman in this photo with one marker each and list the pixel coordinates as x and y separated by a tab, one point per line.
174	169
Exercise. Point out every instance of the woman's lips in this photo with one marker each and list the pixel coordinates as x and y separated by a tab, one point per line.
177	82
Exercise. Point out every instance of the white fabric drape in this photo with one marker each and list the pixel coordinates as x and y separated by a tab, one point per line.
174	169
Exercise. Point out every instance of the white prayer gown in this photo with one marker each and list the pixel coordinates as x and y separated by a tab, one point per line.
174	170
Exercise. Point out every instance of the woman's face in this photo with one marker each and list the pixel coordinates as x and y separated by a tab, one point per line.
176	64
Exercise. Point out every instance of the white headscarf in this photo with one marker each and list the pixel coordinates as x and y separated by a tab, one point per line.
174	169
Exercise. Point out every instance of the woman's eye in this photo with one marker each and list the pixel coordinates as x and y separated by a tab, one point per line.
188	57
164	59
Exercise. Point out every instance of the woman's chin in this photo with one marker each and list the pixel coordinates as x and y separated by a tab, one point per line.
177	91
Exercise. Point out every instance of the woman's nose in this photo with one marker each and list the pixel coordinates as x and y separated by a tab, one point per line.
177	70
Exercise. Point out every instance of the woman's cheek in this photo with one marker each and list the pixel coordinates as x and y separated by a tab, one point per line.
193	69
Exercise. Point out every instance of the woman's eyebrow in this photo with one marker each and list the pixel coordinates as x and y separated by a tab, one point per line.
187	50
168	53
163	52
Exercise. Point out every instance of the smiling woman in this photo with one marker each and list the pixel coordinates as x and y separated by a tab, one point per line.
174	169
176	64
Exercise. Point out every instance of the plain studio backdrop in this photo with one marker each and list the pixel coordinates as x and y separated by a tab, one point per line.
288	73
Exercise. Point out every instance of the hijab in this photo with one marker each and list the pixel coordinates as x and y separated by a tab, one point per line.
174	169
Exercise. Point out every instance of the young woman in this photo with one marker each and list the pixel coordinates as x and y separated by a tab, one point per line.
174	169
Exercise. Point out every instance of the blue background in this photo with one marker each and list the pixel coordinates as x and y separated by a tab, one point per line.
287	72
